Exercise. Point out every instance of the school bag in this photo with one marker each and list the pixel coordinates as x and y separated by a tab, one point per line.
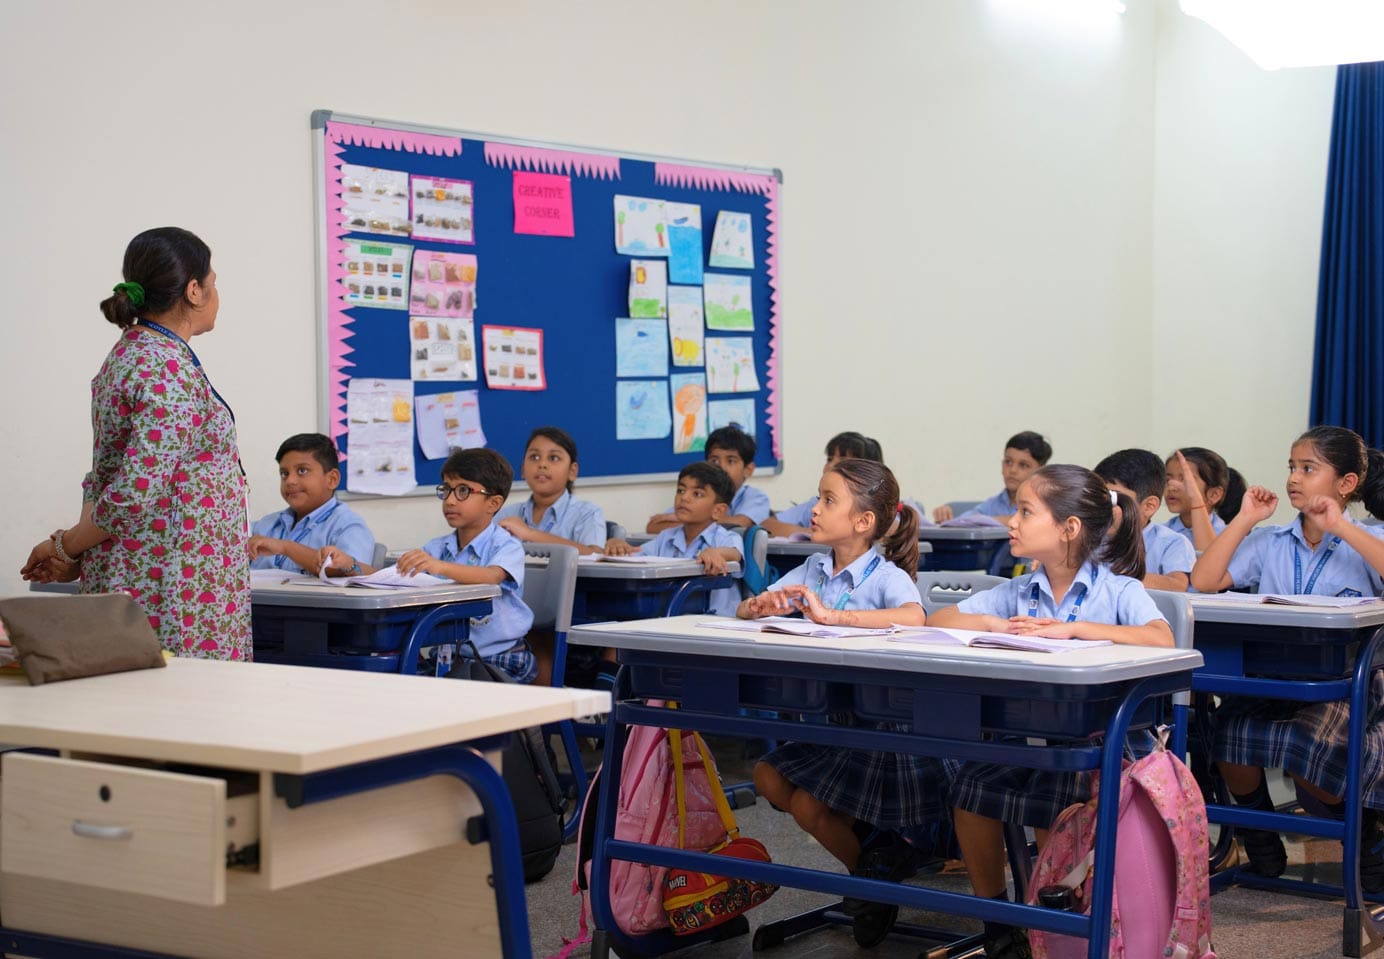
530	777
1161	904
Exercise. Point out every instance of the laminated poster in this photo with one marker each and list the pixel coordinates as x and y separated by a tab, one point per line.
648	288
737	413
513	358
374	200
732	245
444	284
730	365
688	391
641	226
641	347
443	209
449	421
641	410
684	243
377	274
729	305
543	204
379	419
685	324
441	348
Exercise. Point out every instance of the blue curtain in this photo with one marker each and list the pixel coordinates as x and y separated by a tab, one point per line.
1348	367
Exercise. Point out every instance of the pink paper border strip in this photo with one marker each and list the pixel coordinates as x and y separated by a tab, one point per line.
512	157
382	138
705	178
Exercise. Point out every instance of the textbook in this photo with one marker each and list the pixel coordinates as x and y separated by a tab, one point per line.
387	578
1288	599
934	636
636	558
797	627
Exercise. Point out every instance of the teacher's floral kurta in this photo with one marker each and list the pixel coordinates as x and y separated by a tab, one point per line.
166	483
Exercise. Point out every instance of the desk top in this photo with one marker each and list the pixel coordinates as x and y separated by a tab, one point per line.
669	569
361	597
1214	608
963	533
257	716
1092	666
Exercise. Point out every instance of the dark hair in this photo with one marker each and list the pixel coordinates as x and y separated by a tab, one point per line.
853	445
1069	491
874	488
733	439
1140	470
712	477
1235	488
321	447
163	261
483	466
559	437
1344	451
1372	486
1033	444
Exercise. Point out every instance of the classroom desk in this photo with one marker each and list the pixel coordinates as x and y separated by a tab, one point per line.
792	552
367	801
950	696
962	547
1307	654
624	591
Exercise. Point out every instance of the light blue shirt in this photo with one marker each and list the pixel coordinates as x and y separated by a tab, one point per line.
997	505
579	520
510	618
1108	598
799	515
1177	526
1265	560
331	524
887	586
747	501
1167	552
672	542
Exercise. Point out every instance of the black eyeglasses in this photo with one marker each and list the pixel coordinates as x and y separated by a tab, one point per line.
463	492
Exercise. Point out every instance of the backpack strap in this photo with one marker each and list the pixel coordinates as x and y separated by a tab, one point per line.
718	795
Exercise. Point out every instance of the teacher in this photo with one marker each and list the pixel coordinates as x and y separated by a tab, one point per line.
164	509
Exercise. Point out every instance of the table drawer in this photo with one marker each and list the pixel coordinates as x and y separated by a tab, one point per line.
115	827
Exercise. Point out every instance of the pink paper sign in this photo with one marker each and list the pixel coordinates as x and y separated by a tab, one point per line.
543	204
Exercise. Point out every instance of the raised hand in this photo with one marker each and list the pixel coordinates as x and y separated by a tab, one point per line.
1259	503
1324	510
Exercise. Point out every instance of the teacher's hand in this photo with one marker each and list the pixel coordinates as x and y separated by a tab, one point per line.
43	566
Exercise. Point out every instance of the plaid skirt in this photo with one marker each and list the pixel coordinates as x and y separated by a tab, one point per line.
1309	739
518	661
886	790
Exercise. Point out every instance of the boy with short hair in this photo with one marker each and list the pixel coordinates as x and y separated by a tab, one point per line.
292	539
703	497
733	450
1168	555
1023	454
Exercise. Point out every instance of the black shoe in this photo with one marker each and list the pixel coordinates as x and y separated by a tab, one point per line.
1267	857
1371	852
1012	945
887	857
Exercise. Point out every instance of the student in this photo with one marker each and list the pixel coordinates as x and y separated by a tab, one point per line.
291	539
827	789
552	514
1140	475
475	484
733	450
1322	552
848	445
1087	587
1024	453
703	497
1197	486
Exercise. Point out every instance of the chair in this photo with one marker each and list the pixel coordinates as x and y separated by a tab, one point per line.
615	531
377	557
1177	608
959	506
758	575
947	587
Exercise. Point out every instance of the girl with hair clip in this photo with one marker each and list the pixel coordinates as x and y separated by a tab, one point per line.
838	794
1322	552
1199	483
1091	554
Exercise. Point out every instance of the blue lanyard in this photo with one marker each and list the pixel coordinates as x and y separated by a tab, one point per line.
845	597
1076	608
301	527
1316	571
165	331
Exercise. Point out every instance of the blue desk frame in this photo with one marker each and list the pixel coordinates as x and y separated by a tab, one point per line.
603	598
962	547
949	712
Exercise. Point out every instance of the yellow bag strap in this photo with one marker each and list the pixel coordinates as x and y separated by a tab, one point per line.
675	742
718	795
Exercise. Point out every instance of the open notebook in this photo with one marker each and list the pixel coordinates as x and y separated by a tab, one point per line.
933	636
387	578
635	558
1287	599
795	627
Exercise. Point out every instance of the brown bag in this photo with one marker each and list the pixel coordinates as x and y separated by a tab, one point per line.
68	637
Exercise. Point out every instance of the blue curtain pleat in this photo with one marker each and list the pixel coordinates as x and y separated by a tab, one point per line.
1348	362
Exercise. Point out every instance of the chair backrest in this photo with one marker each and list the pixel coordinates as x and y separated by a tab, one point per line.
756	577
615	531
377	557
548	590
959	506
948	587
1177	608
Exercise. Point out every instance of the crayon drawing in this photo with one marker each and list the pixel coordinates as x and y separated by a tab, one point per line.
685	324
728	302
684	243
732	245
648	288
641	226
641	410
730	365
641	347
689	412
737	413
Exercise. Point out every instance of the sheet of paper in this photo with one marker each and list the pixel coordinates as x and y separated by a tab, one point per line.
641	226
729	305
684	243
932	635
442	348
449	421
379	417
443	209
444	284
641	347
737	413
688	391
274	577
648	288
391	578
374	200
685	325
513	358
377	274
1325	602
732	243
794	626
637	559
543	204
641	410
730	365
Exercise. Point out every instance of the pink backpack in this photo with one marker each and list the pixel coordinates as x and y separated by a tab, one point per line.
1162	898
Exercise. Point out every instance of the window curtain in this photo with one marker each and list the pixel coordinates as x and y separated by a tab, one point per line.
1348	364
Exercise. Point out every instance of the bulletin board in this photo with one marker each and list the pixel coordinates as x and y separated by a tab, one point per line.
473	287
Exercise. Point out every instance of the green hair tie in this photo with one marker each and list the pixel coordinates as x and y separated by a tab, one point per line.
132	290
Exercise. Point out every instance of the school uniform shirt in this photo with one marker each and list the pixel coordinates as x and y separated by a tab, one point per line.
870	582
331	524
1277	559
1167	552
997	505
747	501
510	618
579	520
1104	597
1177	526
799	515
672	542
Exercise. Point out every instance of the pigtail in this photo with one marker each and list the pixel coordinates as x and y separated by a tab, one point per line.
1371	487
901	542
1123	547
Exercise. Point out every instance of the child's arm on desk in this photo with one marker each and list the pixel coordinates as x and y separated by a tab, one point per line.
525	533
417	561
1153	633
338	561
305	556
909	614
1172	582
949	617
778	527
715	558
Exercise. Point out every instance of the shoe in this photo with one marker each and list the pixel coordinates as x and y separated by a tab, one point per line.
873	923
889	858
1267	857
1371	852
1012	945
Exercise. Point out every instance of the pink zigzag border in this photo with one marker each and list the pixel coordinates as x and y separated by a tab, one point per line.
381	138
705	178
514	157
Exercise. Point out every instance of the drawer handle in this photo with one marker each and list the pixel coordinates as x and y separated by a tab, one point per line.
92	831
